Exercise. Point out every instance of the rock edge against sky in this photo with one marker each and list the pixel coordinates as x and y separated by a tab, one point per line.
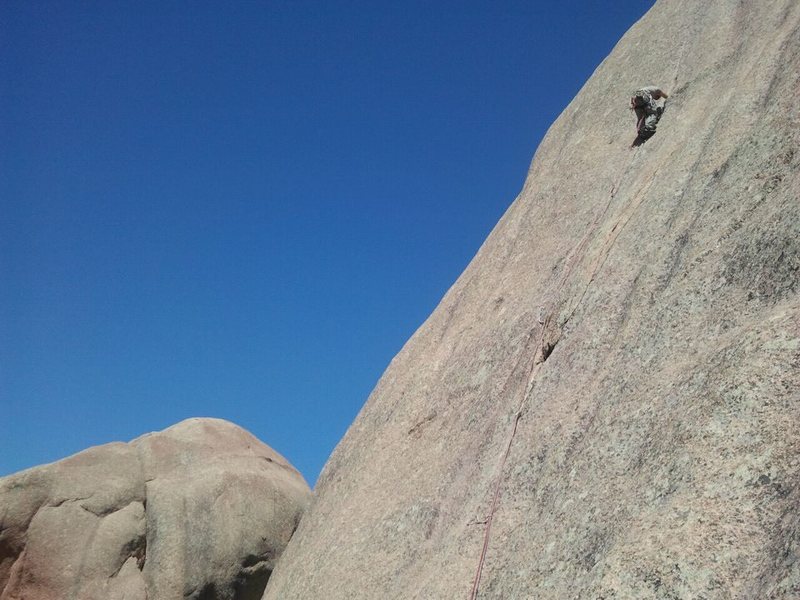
639	310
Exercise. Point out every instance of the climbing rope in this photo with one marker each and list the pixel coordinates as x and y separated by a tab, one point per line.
536	364
542	351
495	499
538	360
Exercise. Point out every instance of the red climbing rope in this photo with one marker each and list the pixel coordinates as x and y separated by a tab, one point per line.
495	499
538	360
476	582
539	356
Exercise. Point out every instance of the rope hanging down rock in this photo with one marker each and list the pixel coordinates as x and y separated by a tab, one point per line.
551	332
547	342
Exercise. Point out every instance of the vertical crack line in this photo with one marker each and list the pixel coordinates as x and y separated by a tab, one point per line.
141	557
544	349
545	346
612	236
492	509
534	370
85	552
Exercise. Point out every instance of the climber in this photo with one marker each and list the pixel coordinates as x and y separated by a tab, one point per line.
649	103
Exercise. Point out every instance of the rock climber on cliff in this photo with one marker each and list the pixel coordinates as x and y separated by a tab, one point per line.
649	103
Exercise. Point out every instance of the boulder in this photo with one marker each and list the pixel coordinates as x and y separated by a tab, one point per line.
200	510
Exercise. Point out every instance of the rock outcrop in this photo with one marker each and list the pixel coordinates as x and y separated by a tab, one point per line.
629	334
200	510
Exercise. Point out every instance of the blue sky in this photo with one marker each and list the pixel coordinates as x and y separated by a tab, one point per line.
243	210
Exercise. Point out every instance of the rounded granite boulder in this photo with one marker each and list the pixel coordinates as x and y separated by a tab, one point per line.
200	510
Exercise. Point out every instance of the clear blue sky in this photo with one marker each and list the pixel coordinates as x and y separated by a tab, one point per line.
244	209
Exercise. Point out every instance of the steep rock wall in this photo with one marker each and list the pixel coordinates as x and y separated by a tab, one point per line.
656	454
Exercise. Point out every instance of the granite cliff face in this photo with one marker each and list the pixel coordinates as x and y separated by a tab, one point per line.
638	311
200	510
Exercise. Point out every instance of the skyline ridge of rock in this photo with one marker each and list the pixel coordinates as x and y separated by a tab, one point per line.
629	333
